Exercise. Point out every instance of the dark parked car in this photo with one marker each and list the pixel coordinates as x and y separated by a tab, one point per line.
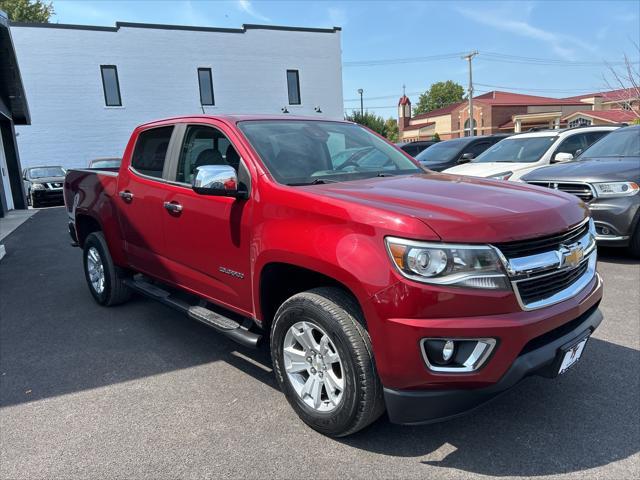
450	153
607	178
414	148
43	185
105	163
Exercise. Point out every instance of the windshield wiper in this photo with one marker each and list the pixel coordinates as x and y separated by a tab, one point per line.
317	181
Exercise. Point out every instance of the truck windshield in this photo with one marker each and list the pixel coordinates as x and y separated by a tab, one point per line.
621	143
304	152
43	172
517	150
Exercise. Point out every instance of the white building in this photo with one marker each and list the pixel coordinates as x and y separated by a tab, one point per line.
88	87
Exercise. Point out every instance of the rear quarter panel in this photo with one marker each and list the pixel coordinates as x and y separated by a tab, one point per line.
91	193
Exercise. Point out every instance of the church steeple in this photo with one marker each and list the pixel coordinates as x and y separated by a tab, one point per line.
404	110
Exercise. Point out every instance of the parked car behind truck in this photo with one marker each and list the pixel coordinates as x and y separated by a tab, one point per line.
523	153
377	286
43	185
607	178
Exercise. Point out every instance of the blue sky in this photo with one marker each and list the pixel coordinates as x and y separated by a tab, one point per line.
576	36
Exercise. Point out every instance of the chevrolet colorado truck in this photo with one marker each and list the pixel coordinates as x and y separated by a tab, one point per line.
377	284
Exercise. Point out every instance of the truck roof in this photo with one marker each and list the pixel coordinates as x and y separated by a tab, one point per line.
235	118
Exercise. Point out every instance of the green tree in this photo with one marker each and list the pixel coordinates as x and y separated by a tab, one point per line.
392	129
436	137
439	95
371	120
32	11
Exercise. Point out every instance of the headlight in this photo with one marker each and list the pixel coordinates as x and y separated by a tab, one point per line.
37	186
476	266
616	189
501	176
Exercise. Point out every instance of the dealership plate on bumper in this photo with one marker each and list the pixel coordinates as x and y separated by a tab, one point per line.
571	355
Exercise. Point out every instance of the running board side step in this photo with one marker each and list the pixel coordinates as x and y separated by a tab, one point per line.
218	322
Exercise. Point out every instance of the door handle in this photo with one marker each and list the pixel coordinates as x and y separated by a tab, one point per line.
173	207
126	195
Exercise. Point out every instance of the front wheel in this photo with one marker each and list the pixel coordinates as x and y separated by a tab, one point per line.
104	278
324	363
634	245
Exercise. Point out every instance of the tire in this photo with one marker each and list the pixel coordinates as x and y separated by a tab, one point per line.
113	291
337	316
634	244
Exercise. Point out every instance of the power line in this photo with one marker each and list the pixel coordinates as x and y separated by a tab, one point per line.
488	56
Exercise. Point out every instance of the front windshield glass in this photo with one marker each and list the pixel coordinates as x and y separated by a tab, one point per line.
440	152
43	172
301	152
620	143
517	150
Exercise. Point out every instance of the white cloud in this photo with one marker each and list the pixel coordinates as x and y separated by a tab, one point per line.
247	7
561	44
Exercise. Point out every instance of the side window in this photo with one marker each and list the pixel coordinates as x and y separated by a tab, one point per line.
151	151
572	144
204	145
477	148
593	137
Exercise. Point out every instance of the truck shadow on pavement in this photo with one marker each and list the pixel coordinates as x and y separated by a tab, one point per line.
55	340
587	418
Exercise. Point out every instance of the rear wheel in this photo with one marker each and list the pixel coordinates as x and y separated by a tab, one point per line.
104	278
324	363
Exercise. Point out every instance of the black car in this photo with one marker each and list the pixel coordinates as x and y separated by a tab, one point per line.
450	153
43	185
414	148
606	176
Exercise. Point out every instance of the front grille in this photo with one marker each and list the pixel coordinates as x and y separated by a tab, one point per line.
581	190
543	287
524	248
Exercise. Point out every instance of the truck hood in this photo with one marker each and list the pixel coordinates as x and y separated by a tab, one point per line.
464	209
590	170
486	169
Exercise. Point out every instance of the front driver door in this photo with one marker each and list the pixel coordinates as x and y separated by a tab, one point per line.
207	241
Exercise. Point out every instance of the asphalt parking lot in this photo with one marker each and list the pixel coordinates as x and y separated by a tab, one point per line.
140	391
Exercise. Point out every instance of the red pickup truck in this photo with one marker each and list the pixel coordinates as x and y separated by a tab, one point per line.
378	284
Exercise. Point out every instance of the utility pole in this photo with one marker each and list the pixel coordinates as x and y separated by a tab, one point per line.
360	91
469	57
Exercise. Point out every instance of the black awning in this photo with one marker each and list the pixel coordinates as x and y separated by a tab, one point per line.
12	93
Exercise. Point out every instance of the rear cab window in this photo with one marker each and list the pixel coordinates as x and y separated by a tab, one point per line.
150	154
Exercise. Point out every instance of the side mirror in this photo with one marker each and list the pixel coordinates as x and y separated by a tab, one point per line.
562	157
466	158
218	180
578	153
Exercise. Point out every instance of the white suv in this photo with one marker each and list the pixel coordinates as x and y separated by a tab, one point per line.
519	154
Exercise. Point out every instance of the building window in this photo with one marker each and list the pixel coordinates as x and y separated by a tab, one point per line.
293	86
579	122
110	86
205	79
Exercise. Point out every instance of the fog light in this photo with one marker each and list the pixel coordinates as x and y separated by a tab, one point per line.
456	354
447	350
605	231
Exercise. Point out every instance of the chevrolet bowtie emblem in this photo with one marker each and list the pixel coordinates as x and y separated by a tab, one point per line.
571	255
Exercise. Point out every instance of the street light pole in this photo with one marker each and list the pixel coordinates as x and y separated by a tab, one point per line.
360	91
470	91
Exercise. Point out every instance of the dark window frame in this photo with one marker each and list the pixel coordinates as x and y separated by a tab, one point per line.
297	72
104	87
213	97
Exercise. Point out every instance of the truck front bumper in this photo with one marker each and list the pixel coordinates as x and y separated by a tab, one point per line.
428	406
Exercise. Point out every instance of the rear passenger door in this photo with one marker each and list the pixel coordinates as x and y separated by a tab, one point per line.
141	190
